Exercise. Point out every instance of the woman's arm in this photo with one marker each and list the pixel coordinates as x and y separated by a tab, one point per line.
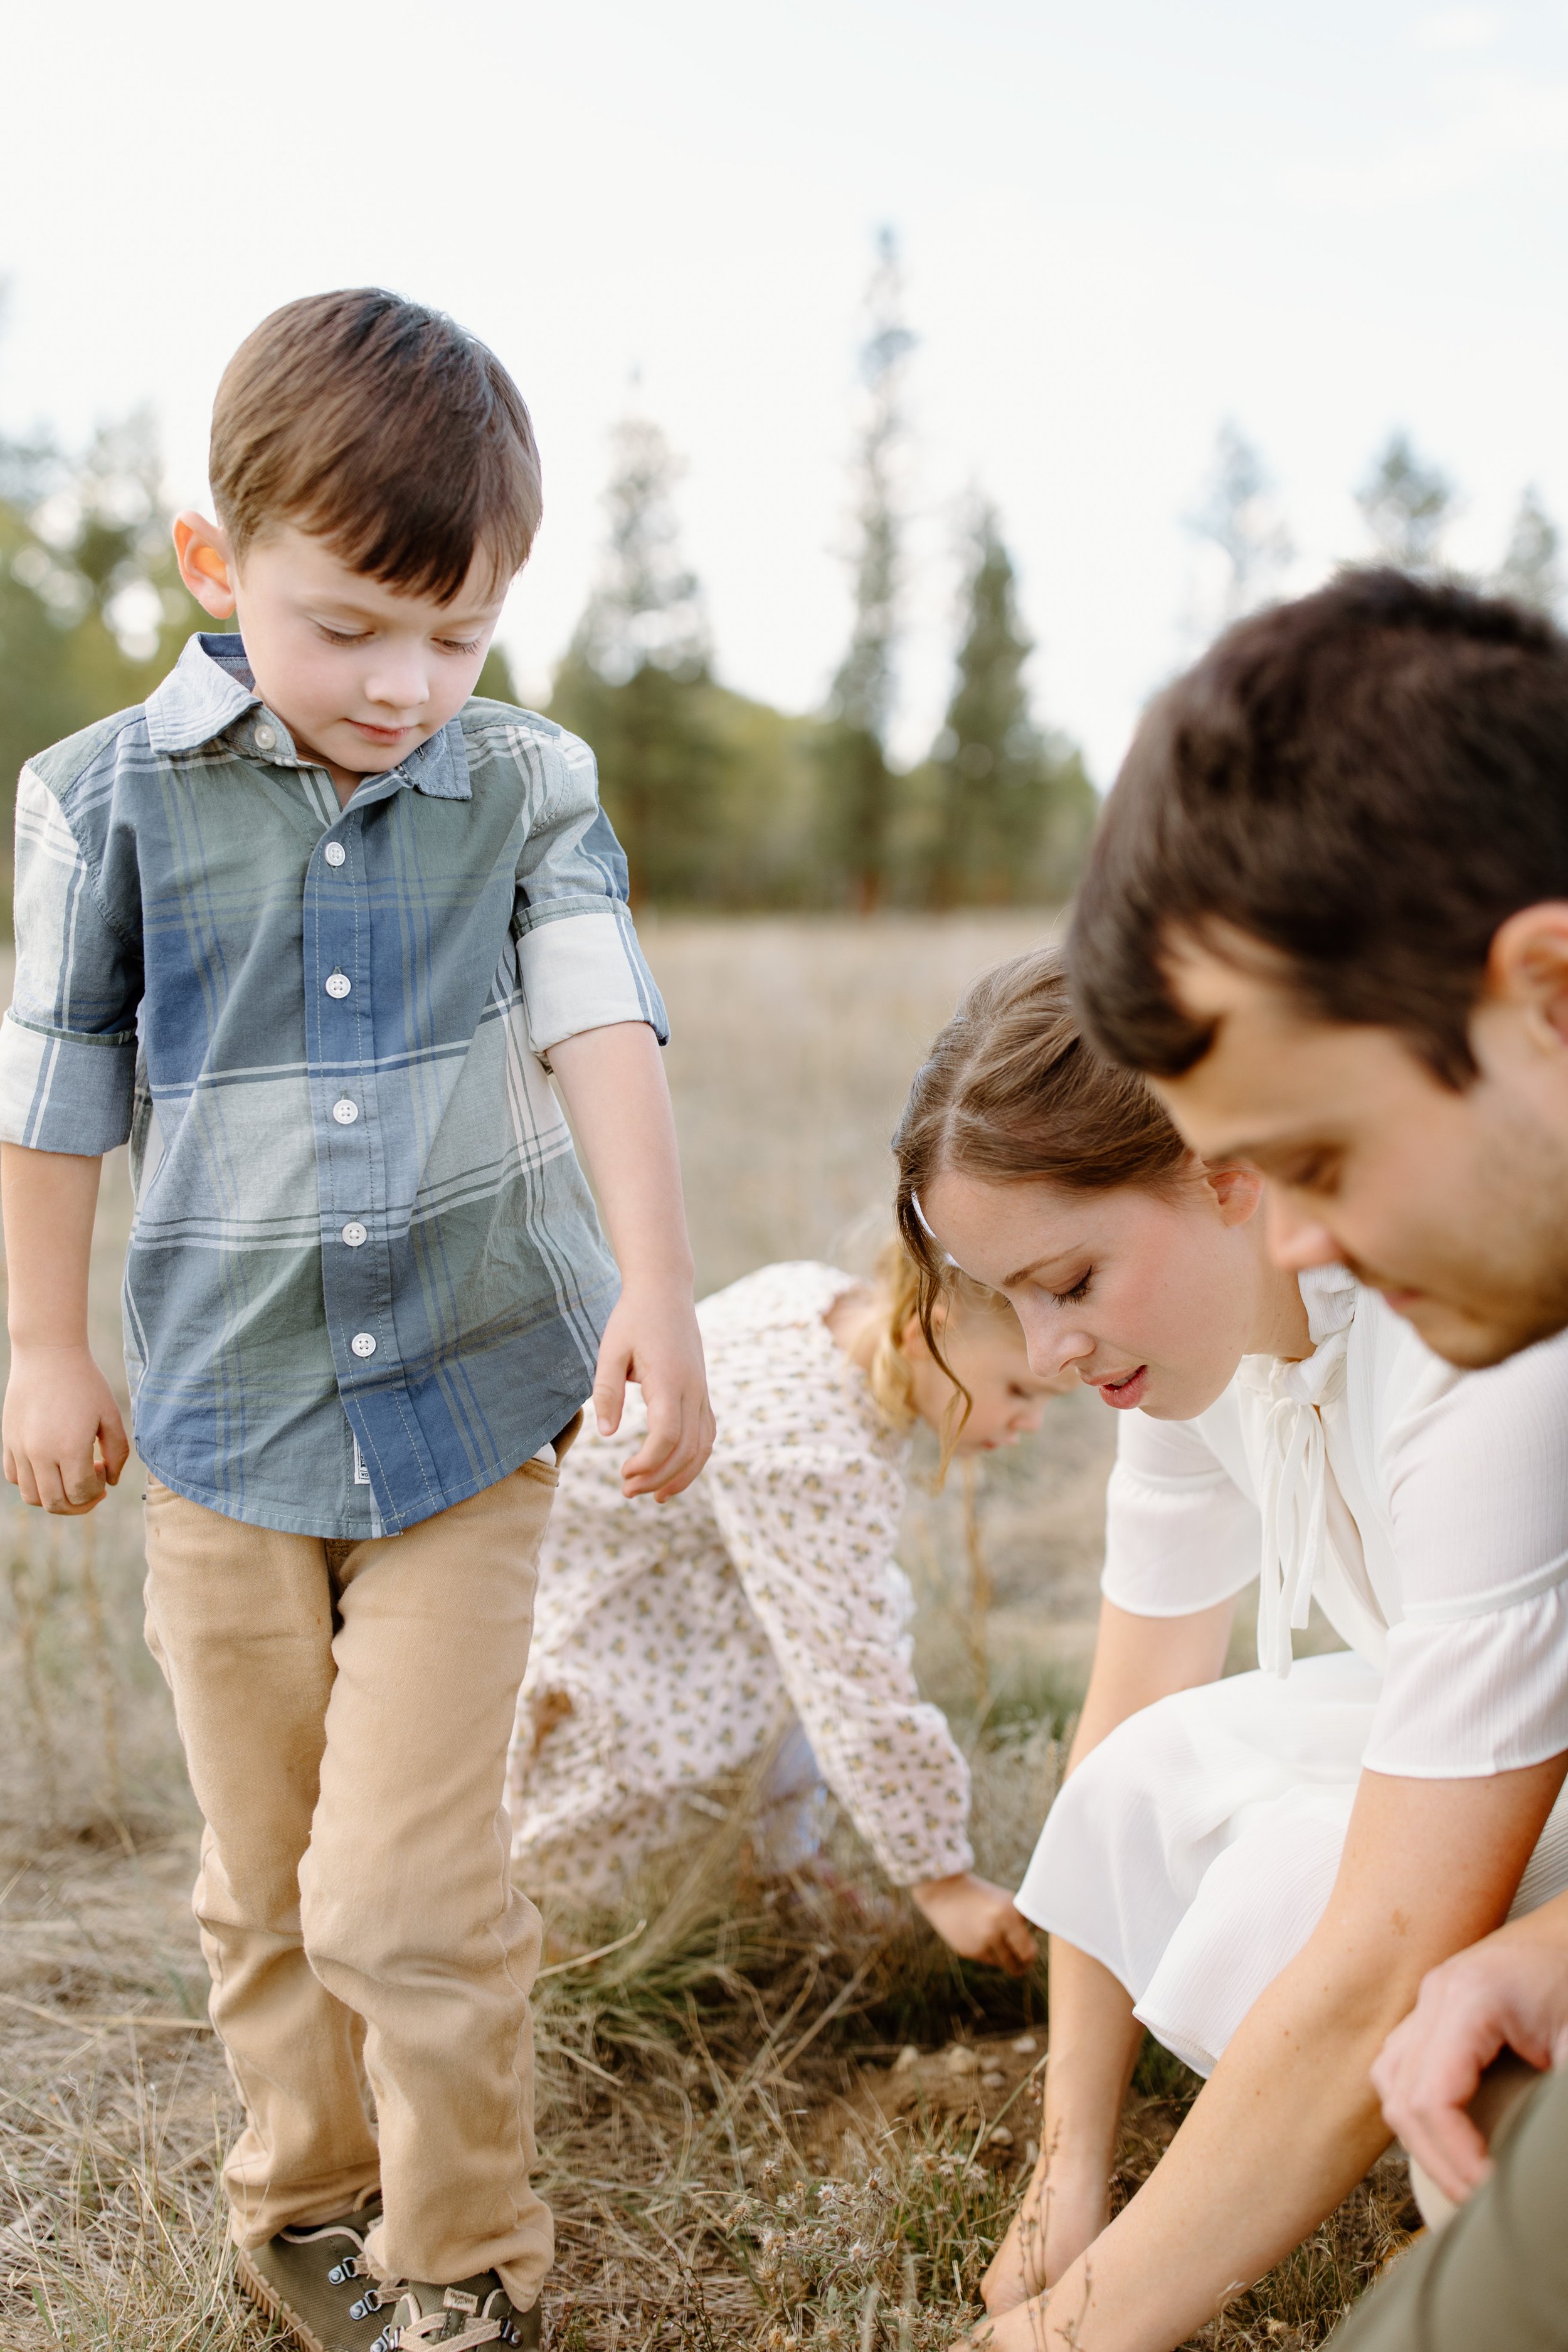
1288	2122
1139	1659
1094	2038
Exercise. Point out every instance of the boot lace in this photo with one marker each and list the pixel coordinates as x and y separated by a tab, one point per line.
436	2326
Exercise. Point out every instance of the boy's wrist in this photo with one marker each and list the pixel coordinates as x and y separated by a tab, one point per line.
666	1277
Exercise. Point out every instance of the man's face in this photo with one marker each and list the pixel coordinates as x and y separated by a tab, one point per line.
1453	1203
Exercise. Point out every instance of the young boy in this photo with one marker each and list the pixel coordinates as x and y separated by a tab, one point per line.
309	927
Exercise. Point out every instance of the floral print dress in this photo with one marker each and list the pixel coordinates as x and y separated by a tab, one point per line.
676	1645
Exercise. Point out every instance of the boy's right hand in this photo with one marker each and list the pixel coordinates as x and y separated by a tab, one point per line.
64	1441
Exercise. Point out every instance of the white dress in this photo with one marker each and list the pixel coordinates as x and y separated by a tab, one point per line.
1426	1510
676	1645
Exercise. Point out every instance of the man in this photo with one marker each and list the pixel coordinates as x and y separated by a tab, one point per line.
1327	914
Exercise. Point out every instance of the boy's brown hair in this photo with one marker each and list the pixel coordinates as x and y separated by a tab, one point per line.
382	428
1360	787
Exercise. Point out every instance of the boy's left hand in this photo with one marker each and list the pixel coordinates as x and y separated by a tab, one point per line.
652	1337
614	1087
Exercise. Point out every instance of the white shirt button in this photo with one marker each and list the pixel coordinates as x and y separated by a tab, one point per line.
363	1343
265	737
344	1111
338	983
355	1234
334	853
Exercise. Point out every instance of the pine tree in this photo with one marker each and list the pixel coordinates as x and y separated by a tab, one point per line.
93	610
1015	811
859	785
1406	506
1530	571
634	679
1237	516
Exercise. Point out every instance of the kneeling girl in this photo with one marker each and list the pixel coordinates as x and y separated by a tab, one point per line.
757	1624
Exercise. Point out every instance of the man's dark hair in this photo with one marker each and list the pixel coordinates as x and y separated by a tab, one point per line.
385	429
1366	783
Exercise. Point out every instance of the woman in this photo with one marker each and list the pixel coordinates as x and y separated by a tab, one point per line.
1259	1869
755	1627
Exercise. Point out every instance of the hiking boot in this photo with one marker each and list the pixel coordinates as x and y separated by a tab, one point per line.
315	2282
475	2310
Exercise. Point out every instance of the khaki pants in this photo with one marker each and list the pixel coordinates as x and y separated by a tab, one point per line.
1495	2279
346	1709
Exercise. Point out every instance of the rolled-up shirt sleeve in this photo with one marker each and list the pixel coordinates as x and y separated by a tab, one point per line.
67	1043
578	956
1180	1535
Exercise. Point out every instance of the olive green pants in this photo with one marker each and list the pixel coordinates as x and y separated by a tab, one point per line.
1496	2278
345	1710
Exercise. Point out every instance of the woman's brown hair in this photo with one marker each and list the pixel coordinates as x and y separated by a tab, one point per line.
1012	1092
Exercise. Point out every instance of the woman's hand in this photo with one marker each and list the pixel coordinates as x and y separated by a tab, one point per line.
1287	2122
979	1921
1051	2323
1016	2270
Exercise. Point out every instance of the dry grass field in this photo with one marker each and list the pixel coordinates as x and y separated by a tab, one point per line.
765	2122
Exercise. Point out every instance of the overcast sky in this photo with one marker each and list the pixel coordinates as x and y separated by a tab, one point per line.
1121	223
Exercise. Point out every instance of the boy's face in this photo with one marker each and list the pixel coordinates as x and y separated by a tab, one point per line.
360	674
1454	1203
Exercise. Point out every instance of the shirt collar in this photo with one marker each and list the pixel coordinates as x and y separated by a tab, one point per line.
211	692
208	689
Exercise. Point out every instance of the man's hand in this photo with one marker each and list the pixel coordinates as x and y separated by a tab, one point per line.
652	1338
979	1921
65	1442
1511	1990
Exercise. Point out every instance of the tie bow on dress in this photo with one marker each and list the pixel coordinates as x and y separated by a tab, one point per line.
1294	1466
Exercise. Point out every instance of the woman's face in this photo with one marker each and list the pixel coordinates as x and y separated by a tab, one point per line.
1150	1297
1007	1397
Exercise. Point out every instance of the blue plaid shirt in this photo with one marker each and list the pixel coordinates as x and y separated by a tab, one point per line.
365	1279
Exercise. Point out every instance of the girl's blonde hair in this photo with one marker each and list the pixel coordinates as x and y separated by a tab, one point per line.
898	1302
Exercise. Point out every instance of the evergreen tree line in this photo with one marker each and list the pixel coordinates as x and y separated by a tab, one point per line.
727	802
1408	507
724	801
721	801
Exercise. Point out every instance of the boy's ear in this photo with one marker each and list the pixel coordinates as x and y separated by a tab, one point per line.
206	562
